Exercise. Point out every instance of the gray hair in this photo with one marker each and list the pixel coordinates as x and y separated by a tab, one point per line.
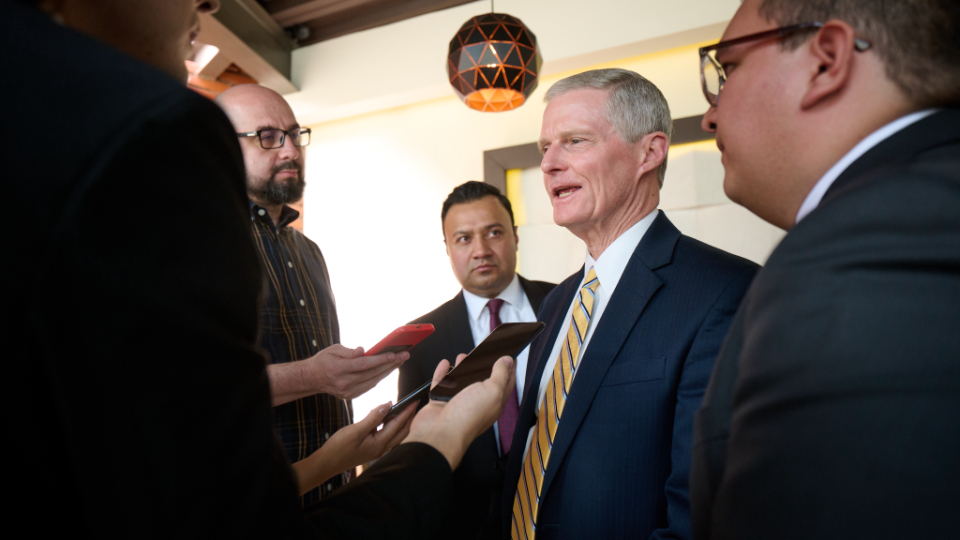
635	106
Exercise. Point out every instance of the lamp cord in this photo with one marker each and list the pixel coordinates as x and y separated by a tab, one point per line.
491	6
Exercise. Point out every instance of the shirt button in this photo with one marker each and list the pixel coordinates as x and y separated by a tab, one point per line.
302	303
326	436
330	486
314	343
261	212
290	264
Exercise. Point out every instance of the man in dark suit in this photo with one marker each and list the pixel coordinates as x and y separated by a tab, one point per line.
131	317
481	240
832	412
617	375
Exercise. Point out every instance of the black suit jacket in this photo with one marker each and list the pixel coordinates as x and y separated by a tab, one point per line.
480	474
833	409
620	460
137	401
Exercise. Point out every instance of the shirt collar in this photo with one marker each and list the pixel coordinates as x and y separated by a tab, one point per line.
820	188
287	215
611	264
512	295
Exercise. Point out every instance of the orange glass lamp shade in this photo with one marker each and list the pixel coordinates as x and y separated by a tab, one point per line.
493	62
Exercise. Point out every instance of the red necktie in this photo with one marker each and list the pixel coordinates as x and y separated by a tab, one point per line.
508	420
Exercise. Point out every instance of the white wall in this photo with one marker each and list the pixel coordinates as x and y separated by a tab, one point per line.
377	177
548	252
693	199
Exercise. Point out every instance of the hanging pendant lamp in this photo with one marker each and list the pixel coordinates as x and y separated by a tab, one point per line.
493	62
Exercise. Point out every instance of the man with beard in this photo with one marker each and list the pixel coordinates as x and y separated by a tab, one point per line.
312	377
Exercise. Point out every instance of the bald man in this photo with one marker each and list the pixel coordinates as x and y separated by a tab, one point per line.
312	376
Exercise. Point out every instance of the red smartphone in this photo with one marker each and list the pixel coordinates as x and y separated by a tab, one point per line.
402	339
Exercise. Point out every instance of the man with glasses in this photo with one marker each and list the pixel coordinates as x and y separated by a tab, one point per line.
832	411
312	376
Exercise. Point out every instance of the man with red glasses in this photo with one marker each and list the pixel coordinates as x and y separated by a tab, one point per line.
833	408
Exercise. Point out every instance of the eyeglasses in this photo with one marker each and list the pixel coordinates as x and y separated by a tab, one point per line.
712	76
274	138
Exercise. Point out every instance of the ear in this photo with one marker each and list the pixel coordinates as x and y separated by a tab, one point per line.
832	51
516	239
655	146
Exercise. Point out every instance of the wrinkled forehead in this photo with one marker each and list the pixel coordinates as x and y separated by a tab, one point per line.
575	110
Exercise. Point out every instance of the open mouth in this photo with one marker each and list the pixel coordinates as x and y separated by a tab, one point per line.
564	192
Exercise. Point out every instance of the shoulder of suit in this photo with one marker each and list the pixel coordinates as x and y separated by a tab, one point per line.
908	206
115	107
717	258
542	286
83	83
441	312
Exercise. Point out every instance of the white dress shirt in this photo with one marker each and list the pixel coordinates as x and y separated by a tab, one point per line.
820	188
516	308
609	267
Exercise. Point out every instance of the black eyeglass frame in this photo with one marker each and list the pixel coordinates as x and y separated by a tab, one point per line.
283	137
859	44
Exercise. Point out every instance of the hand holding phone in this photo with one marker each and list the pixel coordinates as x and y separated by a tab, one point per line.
509	339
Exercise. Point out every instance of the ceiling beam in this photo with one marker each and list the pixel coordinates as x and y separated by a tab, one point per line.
357	15
242	53
314	9
251	24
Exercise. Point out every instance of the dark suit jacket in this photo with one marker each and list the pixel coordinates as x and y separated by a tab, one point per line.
834	408
138	403
620	460
480	474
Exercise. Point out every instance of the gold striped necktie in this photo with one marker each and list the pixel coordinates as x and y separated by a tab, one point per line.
526	503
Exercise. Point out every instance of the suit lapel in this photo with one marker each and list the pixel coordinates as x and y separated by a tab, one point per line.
637	286
461	336
542	347
539	350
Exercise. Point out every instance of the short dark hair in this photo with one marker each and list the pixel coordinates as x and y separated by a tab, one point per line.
473	191
918	40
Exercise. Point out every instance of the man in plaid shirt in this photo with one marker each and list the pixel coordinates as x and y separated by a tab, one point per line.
312	376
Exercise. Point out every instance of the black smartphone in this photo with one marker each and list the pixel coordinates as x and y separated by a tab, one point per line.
509	339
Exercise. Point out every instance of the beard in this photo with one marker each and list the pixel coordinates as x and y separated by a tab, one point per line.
271	191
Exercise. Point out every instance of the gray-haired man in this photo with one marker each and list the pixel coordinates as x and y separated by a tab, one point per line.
612	386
